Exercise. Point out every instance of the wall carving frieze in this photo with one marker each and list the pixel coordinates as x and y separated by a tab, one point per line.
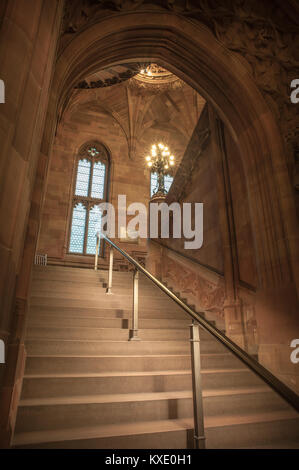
154	88
267	41
208	295
114	79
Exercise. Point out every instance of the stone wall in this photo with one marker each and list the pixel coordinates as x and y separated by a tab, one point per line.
222	276
28	42
104	115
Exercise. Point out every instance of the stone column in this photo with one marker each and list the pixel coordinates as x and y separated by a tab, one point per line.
155	251
28	42
234	323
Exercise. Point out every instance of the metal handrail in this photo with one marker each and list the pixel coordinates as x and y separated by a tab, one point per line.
279	387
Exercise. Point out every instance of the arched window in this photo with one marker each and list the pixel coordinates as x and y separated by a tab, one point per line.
168	179
90	189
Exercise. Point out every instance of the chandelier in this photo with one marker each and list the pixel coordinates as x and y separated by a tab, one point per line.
160	161
152	70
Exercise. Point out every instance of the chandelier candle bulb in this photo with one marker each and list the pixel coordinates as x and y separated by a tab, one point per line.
160	161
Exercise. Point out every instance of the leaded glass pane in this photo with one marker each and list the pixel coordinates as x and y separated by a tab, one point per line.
167	182
154	182
94	223
98	180
83	175
78	229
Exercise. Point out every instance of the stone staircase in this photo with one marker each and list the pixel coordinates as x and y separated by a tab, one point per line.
87	386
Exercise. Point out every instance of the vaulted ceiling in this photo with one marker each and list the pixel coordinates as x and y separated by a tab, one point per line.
140	107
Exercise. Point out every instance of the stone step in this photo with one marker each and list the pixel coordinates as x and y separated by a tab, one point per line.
68	289
167	434
65	312
273	430
50	414
36	386
53	413
92	277
96	287
62	364
106	301
102	322
96	281
87	386
91	347
105	383
113	334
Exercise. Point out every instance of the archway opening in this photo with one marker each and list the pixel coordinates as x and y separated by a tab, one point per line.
243	127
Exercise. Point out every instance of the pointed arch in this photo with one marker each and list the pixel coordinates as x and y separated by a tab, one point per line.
190	50
90	188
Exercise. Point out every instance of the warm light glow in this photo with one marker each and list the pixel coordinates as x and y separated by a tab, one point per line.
160	162
148	158
142	71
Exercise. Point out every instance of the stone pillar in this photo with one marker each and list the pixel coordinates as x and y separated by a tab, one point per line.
28	43
234	323
155	252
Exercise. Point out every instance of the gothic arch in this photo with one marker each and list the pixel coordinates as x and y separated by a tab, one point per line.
190	50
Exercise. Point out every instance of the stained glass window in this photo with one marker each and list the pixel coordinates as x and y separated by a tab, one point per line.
89	191
98	180
168	182
93	223
83	177
78	229
154	182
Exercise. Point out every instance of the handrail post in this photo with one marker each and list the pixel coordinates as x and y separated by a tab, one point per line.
133	336
108	290
199	431
97	254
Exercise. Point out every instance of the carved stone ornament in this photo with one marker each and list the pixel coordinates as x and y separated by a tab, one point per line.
93	150
108	77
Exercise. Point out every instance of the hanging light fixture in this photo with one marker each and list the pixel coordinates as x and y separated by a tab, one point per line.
160	160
